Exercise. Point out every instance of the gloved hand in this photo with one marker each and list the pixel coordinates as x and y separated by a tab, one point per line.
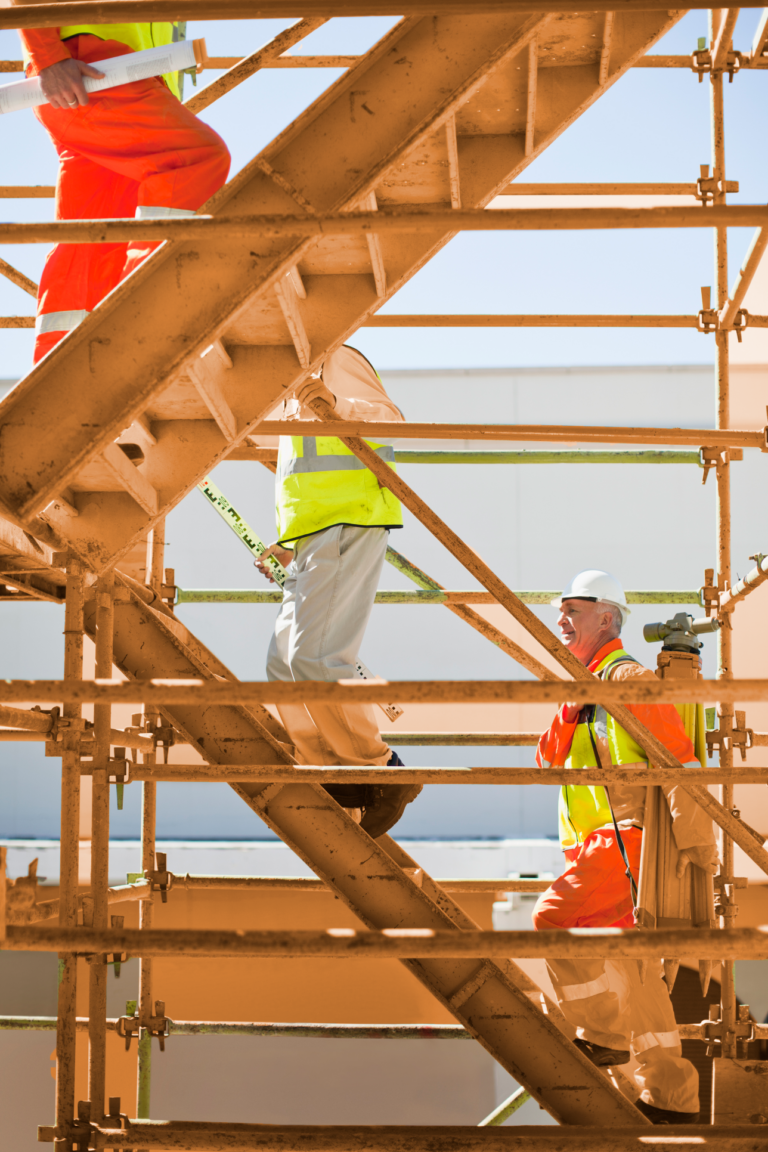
703	855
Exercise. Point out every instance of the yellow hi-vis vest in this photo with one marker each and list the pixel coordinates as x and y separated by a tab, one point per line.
136	36
321	483
584	808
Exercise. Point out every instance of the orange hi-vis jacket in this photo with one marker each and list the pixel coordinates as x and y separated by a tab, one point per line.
567	744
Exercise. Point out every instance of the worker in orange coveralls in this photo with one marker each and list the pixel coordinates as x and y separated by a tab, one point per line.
613	1009
132	150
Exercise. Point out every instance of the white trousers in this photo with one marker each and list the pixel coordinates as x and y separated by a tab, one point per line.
609	1005
327	603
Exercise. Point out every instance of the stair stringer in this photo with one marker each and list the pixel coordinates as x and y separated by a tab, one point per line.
366	875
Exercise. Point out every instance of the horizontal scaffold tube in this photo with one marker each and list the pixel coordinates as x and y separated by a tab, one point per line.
398	596
241	773
313	884
397	944
527	320
196	692
197	1136
248	451
742	588
309	1031
463	739
571	433
214	229
33	15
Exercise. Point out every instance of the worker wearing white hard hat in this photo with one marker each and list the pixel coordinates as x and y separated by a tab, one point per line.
593	585
616	1015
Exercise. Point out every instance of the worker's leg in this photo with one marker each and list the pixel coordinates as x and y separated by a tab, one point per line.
308	741
665	1079
138	135
593	892
336	576
77	276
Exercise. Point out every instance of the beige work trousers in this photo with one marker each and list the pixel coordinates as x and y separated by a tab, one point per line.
610	1005
326	606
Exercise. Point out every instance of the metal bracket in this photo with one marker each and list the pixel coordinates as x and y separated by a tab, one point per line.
158	1026
739	736
707	187
127	1027
160	878
714	1031
710	458
168	591
709	593
701	63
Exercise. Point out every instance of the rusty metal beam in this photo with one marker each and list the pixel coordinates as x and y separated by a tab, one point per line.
451	61
571	433
315	1031
527	320
375	879
173	1136
557	188
240	70
744	774
246	228
195	695
33	15
312	884
395	943
18	278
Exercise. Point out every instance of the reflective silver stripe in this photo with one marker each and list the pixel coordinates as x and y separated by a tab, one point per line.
583	991
311	462
600	723
60	321
654	1039
158	211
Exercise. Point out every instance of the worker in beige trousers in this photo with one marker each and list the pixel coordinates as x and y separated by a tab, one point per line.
334	520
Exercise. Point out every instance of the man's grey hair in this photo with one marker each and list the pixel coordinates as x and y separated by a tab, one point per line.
605	606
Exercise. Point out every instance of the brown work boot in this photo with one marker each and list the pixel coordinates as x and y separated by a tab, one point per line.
665	1116
382	804
602	1057
390	803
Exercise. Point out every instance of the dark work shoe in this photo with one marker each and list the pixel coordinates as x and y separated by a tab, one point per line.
602	1057
353	795
390	804
664	1116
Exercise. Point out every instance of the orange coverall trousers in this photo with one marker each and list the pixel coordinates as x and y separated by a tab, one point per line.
606	1000
132	150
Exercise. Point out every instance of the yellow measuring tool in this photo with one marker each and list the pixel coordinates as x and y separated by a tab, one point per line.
257	547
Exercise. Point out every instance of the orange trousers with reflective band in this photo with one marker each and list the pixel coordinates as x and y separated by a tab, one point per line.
130	146
606	1001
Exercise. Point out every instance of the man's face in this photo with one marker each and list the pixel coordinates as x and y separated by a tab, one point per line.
583	627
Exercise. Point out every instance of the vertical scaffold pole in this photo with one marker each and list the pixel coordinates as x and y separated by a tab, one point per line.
725	635
148	814
69	862
156	558
97	991
155	570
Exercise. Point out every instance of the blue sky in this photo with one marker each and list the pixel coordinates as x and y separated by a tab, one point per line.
652	125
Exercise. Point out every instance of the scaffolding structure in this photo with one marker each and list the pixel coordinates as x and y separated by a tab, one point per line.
83	524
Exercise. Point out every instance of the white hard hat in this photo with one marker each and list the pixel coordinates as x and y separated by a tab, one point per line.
595	585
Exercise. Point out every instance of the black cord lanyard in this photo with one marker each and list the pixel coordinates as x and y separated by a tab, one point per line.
619	838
